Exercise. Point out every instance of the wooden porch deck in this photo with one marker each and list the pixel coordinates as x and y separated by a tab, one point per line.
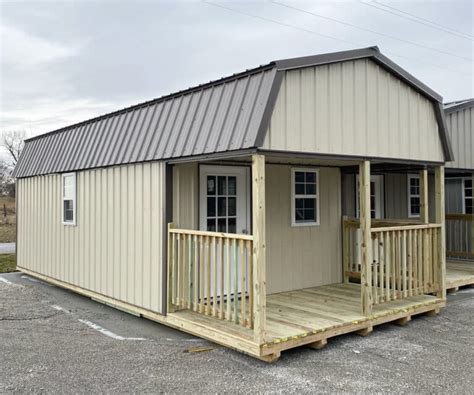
459	274
307	317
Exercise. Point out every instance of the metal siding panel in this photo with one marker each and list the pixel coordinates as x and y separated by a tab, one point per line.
189	119
110	140
121	136
222	111
167	132
158	132
135	135
176	128
209	119
144	135
151	132
130	135
224	140
94	152
360	110
264	83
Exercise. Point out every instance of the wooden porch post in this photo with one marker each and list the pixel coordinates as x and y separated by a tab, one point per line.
424	209
440	219
259	255
366	242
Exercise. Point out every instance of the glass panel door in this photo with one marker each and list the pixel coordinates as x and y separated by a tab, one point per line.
221	202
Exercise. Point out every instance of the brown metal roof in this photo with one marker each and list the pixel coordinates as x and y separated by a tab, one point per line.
229	114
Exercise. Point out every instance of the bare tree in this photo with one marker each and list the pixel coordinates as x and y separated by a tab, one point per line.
13	143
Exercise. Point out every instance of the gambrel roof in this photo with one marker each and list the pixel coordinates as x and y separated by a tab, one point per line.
229	114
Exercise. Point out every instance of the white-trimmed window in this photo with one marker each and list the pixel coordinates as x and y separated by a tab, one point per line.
413	195
304	196
467	196
69	198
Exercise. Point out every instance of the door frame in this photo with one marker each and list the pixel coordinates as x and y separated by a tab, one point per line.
379	181
229	170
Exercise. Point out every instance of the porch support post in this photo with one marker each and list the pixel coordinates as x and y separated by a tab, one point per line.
366	242
440	219
259	254
424	209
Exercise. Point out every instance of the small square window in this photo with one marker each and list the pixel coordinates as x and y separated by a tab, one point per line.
468	198
69	198
413	195
305	199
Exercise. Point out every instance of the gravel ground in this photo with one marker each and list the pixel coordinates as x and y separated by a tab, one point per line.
55	349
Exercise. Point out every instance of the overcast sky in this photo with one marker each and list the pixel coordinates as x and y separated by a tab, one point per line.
65	61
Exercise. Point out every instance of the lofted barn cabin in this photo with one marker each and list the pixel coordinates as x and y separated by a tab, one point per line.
459	195
224	210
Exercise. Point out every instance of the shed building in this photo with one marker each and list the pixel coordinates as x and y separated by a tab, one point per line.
459	194
219	209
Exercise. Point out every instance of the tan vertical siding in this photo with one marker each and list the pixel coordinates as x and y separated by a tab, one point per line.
297	257
116	247
461	131
353	108
186	196
300	257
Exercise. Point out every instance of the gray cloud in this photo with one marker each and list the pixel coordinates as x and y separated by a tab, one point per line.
62	62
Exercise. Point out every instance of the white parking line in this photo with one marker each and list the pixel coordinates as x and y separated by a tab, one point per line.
108	333
5	281
59	308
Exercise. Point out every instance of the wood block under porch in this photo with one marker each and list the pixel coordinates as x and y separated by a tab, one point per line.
305	317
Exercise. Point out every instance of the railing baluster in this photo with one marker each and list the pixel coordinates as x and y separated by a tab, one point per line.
375	263
236	281
229	280
208	276
387	254
214	298
404	262
222	267
381	248
196	274
202	269
243	264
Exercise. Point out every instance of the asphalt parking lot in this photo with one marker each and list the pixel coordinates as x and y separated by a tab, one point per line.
52	340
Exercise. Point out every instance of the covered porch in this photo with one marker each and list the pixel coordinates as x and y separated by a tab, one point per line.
217	281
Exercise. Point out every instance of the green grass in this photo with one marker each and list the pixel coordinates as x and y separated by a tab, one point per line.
7	263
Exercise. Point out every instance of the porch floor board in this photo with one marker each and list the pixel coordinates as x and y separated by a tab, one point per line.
459	274
305	316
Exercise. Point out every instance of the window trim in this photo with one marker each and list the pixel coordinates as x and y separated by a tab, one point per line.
409	195
293	197
464	197
74	198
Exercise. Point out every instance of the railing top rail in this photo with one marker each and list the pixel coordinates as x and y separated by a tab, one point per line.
211	234
405	227
463	217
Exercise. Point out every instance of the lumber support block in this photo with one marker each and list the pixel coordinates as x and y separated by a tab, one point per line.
433	312
366	331
403	321
270	358
452	290
318	345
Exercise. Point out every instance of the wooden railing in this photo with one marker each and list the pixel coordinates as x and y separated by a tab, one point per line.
405	261
460	236
211	273
404	258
